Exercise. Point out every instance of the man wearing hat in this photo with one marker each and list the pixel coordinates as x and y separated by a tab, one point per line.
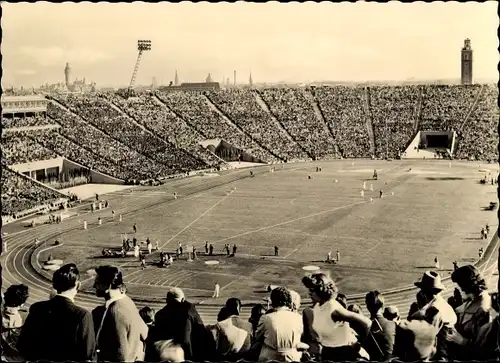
430	295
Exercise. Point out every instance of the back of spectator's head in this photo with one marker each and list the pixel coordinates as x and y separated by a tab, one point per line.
342	300
321	287
147	314
233	306
66	278
391	313
295	300
469	279
374	301
175	294
355	308
223	314
15	296
256	313
281	297
108	278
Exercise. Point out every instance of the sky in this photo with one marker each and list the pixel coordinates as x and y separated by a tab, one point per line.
276	42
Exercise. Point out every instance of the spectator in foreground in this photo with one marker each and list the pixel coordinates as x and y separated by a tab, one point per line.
232	334
279	332
58	330
416	340
121	332
355	308
148	316
13	300
342	299
380	341
255	315
180	322
391	313
295	301
472	314
331	322
487	342
430	290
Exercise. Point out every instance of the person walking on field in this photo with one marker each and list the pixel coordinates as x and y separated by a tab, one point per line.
436	263
216	291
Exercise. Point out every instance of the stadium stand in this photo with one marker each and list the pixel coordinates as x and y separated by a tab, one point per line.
155	135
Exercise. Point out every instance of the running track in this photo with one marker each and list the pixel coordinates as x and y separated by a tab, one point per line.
18	268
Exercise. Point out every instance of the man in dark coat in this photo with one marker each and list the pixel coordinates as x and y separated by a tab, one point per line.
58	330
380	341
180	321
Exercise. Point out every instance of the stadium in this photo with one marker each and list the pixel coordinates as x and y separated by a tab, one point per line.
355	131
225	191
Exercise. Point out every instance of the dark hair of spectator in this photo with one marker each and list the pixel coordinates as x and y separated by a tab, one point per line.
65	278
147	314
280	297
111	276
256	312
391	313
355	308
342	300
495	302
15	295
223	314
374	301
322	285
469	279
233	306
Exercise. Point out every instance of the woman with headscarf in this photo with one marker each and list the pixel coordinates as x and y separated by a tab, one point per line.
331	322
279	331
472	314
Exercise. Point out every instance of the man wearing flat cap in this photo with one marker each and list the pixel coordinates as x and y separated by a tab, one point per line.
430	296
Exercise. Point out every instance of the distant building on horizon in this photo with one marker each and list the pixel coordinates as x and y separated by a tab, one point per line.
466	62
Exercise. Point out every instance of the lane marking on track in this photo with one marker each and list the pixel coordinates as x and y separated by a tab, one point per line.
193	222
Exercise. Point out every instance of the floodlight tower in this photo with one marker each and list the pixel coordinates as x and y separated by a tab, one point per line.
142	46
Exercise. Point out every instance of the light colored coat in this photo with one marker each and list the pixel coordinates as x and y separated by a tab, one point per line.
280	332
122	332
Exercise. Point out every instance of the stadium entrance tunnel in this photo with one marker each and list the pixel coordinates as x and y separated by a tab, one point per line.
427	143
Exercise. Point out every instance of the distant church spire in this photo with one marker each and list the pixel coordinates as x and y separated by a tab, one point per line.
250	80
176	78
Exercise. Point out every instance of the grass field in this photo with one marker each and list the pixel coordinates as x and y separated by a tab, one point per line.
386	243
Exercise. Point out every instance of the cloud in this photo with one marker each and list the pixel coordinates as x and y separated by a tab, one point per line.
51	56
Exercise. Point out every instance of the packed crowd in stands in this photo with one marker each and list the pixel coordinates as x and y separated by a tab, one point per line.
464	327
19	147
155	117
27	121
101	114
394	116
296	113
478	139
445	107
242	107
157	135
344	109
209	123
20	193
88	137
